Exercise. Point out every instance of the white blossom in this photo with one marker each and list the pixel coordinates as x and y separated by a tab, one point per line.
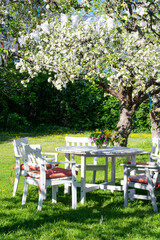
75	20
35	35
140	11
47	6
110	23
86	22
22	40
64	19
99	21
69	51
45	27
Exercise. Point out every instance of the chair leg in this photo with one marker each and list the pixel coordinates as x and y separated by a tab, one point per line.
16	183
131	194
154	205
42	196
45	194
54	194
74	190
40	201
25	189
153	200
151	186
125	187
67	188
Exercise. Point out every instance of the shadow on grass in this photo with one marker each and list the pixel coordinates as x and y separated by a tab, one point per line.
9	136
5	136
116	222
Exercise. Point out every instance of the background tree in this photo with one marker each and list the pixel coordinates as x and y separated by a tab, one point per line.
124	64
117	59
145	20
155	116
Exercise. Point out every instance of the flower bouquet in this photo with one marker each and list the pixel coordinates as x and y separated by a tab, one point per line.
102	138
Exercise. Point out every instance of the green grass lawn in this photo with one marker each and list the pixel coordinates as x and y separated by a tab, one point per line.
60	221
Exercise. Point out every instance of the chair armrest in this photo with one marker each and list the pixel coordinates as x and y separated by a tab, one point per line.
150	166
145	152
154	156
45	163
46	159
52	154
48	153
17	156
129	165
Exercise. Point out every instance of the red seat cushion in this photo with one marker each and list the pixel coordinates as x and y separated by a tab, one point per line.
48	166
138	178
58	173
139	163
142	163
55	173
141	178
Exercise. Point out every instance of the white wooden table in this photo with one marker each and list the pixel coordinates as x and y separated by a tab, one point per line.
108	152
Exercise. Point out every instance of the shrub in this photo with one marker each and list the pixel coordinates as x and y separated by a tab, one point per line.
17	123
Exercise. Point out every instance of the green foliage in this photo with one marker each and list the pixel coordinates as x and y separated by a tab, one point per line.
40	106
141	119
10	90
82	104
30	104
42	101
110	112
17	123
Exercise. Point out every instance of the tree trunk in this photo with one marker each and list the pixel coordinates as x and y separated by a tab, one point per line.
155	120
155	116
124	127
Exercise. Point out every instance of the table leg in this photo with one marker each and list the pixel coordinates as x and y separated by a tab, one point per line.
83	179
94	172
106	170
66	186
113	160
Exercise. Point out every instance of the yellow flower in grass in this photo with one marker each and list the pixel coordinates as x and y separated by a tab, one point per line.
107	133
98	131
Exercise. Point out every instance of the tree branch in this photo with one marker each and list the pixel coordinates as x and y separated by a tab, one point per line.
142	96
109	89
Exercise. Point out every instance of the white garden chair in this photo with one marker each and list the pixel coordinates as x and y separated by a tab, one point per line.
82	141
146	177
147	181
155	151
19	167
46	177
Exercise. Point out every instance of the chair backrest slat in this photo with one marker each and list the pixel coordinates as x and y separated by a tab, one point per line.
155	151
79	141
18	147
32	155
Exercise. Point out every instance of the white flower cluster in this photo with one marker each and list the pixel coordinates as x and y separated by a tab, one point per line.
92	50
